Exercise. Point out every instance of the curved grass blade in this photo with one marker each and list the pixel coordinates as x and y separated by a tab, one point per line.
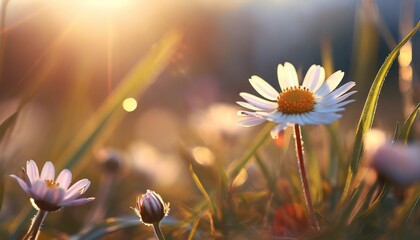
396	132
375	204
210	202
114	224
194	228
405	130
348	209
368	112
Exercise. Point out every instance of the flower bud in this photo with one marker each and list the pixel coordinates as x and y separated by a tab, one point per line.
150	208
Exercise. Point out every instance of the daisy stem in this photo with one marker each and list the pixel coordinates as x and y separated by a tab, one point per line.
35	227
158	231
304	178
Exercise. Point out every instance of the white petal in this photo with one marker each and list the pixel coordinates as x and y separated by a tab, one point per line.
258	102
77	189
282	78
249	106
309	76
341	90
48	171
344	96
327	109
271	116
246	114
64	179
341	104
21	183
76	202
291	74
38	189
275	131
299	119
295	119
285	118
313	119
321	79
32	170
323	118
333	99
314	78
263	88
250	121
306	120
57	195
330	84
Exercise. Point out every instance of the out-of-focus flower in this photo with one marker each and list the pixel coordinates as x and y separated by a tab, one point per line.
217	123
398	163
49	193
150	208
290	221
162	168
111	160
314	102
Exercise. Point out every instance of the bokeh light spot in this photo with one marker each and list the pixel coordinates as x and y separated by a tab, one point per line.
203	156
129	104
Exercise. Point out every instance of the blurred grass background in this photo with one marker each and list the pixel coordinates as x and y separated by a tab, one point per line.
63	61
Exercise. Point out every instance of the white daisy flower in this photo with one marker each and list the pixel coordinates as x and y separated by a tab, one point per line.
49	193
314	102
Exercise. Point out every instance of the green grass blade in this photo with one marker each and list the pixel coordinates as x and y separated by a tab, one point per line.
396	132
376	203
368	112
348	209
210	202
261	138
405	130
194	228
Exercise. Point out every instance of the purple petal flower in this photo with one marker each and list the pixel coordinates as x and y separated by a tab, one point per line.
48	193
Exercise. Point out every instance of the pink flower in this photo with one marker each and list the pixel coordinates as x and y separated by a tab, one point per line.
49	193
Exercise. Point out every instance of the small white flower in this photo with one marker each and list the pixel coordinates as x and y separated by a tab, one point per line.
314	102
49	193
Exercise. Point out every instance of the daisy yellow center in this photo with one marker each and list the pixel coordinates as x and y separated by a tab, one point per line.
50	183
296	100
